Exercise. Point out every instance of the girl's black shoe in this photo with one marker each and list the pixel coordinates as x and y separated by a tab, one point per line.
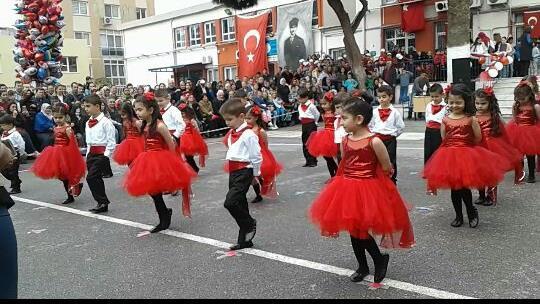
473	221
359	275
164	223
458	222
69	200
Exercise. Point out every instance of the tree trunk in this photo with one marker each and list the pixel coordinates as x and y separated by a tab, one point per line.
459	20
351	47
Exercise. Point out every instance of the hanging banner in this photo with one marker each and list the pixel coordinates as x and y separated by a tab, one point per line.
294	33
272	50
251	37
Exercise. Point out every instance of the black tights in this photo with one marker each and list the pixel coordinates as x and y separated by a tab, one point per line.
360	246
191	161
332	166
531	163
161	208
66	187
464	195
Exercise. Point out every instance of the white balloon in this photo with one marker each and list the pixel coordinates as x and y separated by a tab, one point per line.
493	73
510	59
498	65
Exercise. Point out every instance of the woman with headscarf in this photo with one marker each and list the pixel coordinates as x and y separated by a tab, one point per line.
283	90
44	125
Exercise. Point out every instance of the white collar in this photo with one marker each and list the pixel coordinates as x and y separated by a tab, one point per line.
242	126
440	104
99	117
12	130
391	107
167	107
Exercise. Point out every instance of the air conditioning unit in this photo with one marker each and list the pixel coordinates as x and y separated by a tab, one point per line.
476	3
496	2
107	20
207	60
441	6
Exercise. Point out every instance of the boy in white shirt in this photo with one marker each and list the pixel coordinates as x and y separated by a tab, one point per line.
171	115
10	133
435	112
309	116
244	162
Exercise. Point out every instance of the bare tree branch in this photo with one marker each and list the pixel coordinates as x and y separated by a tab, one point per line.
360	16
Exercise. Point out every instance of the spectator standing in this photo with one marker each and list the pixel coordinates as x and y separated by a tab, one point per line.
404	81
526	51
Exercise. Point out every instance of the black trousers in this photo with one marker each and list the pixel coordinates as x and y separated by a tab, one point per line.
307	129
190	159
12	174
8	257
107	170
432	142
97	166
236	201
391	147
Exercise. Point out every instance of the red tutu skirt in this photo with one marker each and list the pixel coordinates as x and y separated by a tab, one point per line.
61	162
502	147
126	152
321	143
464	167
193	144
364	207
270	169
524	138
156	172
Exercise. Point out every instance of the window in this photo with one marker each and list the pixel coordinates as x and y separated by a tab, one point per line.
112	11
229	73
211	75
180	37
115	71
396	38
83	36
69	64
112	43
518	25
80	8
440	35
194	35
228	29
141	13
315	19
209	32
336	53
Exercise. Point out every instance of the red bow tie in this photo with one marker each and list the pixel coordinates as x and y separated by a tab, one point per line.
5	134
304	107
384	114
92	122
436	108
162	111
235	135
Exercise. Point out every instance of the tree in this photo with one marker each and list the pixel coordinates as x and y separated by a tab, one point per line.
354	54
459	20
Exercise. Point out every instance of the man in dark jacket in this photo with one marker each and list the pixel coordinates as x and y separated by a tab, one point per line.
526	51
295	47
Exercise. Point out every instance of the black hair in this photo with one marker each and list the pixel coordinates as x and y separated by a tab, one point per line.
532	79
436	88
234	107
128	109
523	91
294	22
239	93
149	104
386	89
341	98
61	109
7	119
303	93
93	100
357	106
463	91
494	111
188	111
162	93
260	122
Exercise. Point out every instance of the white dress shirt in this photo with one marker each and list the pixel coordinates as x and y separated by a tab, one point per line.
310	113
435	117
339	132
174	121
16	140
102	134
246	149
393	126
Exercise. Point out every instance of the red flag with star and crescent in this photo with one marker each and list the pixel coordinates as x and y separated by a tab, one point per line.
412	17
252	51
532	19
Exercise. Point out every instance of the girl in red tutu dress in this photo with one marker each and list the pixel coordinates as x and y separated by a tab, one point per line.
158	169
321	143
532	81
133	143
270	168
460	164
494	138
362	199
524	128
192	142
62	161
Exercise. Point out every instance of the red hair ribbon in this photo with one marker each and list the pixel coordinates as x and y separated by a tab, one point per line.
448	89
256	111
489	91
182	106
149	96
329	96
66	107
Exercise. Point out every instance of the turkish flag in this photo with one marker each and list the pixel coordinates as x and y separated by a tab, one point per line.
532	19
252	52
412	17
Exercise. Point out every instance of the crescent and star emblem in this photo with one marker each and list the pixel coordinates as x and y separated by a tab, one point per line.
533	21
257	35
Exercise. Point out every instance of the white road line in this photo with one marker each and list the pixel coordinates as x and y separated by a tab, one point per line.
431	292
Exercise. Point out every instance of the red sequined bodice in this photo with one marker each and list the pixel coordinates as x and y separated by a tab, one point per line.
359	159
486	124
329	119
459	132
189	127
262	143
60	136
526	116
131	130
154	142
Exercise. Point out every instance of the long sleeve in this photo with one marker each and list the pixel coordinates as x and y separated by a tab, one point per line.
111	138
400	124
315	112
255	156
18	142
181	127
42	124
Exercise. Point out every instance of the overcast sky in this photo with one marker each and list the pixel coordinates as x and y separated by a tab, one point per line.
7	15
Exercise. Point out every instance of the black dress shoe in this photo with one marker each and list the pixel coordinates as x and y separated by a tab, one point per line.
68	201
473	220
458	222
258	199
15	191
305	166
312	165
100	208
164	222
248	236
480	201
380	268
488	203
243	245
358	276
108	175
531	180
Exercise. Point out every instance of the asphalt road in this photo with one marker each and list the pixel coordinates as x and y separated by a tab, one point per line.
65	252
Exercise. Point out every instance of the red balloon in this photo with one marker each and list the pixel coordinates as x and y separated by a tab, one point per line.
44	30
42	11
36	24
53	19
39	57
505	61
53	28
482	60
